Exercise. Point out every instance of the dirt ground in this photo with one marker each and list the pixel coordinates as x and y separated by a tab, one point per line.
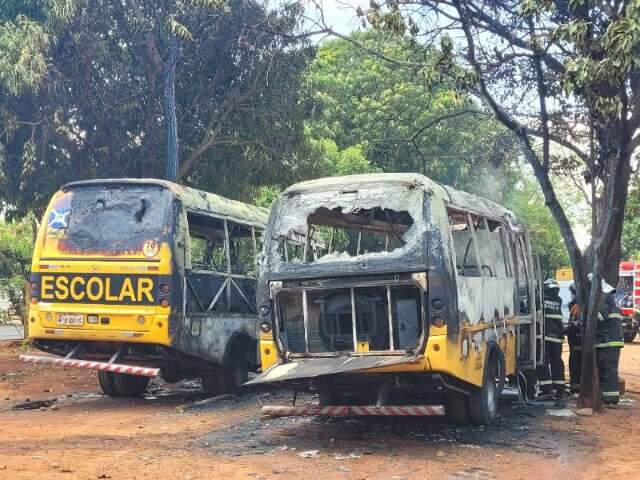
85	435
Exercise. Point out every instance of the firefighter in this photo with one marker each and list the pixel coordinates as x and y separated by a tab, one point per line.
609	341
574	337
551	374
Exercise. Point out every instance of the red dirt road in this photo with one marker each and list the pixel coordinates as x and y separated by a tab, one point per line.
88	436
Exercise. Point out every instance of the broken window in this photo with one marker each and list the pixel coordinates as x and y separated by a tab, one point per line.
206	243
342	232
222	270
467	264
490	247
523	276
350	319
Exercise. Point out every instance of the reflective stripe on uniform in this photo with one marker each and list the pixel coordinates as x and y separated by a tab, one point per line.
544	382
610	394
553	315
553	339
558	382
610	344
615	315
600	317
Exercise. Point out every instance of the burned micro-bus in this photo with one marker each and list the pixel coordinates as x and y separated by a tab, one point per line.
137	278
391	289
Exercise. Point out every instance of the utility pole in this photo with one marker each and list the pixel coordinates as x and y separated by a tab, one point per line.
169	109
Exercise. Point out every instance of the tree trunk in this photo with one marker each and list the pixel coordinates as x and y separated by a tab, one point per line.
169	108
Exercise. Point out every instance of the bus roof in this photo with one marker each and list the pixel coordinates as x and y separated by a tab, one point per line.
192	199
456	198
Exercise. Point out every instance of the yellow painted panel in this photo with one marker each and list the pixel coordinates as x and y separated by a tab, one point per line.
268	351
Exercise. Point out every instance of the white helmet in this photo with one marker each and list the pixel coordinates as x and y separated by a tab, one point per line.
606	288
550	283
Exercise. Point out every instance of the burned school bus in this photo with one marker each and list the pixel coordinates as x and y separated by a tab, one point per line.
138	278
396	289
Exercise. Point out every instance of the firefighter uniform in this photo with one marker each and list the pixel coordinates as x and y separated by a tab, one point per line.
574	338
551	374
609	341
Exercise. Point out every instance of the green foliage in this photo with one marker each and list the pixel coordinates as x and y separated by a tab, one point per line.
16	247
81	88
363	101
23	44
527	203
266	195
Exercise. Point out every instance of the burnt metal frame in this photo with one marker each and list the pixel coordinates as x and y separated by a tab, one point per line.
387	285
228	276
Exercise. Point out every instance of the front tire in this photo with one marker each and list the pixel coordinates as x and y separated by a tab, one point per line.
483	402
456	408
130	385
107	383
629	337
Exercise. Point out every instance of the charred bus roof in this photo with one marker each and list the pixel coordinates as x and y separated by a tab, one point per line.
456	198
192	199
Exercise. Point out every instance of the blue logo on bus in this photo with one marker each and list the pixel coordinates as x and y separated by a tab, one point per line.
59	219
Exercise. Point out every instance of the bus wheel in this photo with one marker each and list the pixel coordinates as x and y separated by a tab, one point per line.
483	402
456	408
236	372
213	381
130	385
107	384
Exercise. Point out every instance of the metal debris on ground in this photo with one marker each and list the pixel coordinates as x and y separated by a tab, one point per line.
206	402
34	404
309	454
561	412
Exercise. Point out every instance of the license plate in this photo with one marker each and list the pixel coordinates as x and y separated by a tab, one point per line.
71	320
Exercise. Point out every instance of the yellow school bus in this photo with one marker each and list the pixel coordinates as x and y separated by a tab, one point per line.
140	277
394	290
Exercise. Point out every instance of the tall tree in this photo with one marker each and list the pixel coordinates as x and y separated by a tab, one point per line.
82	84
552	72
400	121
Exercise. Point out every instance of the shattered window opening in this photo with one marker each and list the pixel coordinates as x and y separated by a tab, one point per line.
341	232
490	247
467	264
330	322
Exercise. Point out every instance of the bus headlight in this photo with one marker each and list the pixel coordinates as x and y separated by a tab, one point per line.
264	310
265	327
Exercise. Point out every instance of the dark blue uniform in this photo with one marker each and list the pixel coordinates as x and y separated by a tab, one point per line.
551	374
609	341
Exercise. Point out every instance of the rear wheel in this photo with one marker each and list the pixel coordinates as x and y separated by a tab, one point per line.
213	381
236	372
130	385
457	408
629	337
483	402
107	384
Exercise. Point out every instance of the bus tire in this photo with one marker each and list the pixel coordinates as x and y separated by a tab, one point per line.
456	408
236	372
213	381
483	401
107	384
130	385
